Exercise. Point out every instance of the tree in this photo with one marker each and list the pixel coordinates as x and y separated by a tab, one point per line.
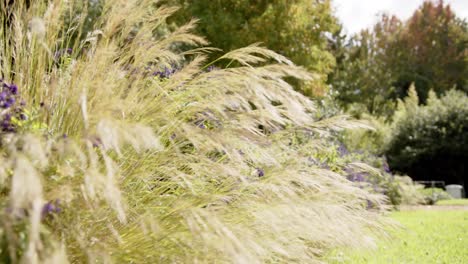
294	28
361	75
434	44
380	64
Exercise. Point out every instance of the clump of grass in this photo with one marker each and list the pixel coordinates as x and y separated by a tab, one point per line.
117	162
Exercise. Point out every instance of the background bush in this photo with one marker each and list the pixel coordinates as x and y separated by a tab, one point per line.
430	142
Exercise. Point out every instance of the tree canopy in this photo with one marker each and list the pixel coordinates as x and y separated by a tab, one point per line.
298	29
429	50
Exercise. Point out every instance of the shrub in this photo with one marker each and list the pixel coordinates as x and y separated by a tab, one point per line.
433	195
430	142
411	193
372	173
135	153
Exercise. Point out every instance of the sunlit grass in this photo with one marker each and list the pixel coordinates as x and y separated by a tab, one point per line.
453	202
425	237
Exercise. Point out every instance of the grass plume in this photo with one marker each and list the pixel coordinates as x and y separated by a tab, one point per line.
199	166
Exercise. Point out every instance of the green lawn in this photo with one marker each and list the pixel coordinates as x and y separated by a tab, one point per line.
453	202
427	237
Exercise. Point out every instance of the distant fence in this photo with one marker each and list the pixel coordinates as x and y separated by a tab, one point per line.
432	184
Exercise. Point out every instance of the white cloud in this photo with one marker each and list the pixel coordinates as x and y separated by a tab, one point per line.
359	14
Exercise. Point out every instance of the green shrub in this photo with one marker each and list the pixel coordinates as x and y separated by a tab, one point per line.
430	142
411	193
433	195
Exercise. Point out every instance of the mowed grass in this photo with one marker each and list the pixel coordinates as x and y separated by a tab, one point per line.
453	202
430	236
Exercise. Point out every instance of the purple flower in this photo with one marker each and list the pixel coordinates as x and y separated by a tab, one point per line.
3	96
52	207
358	177
212	68
173	136
200	123
48	208
355	176
260	172
13	89
165	73
11	100
6	105
342	150
96	141
6	124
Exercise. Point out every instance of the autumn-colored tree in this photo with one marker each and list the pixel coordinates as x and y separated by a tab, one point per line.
428	50
434	42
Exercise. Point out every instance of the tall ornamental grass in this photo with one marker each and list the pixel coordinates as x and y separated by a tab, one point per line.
122	146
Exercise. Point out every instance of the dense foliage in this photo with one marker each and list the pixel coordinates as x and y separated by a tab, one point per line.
430	142
297	29
378	65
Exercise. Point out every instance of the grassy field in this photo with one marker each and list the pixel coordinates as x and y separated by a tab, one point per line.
426	237
453	202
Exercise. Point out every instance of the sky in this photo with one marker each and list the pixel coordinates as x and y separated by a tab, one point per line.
360	14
